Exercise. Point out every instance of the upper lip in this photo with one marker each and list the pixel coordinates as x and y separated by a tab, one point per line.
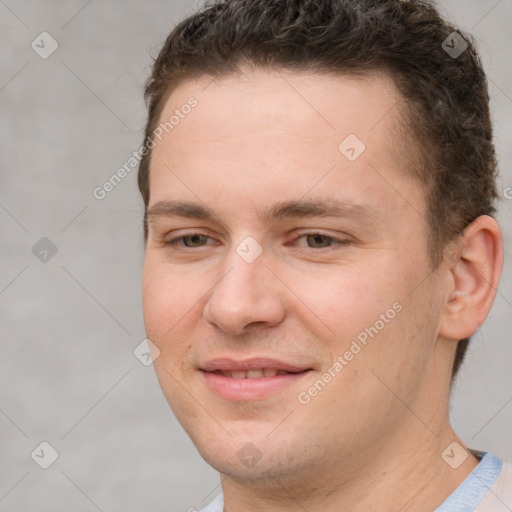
254	363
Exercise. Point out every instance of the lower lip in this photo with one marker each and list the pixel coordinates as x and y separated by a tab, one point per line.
250	389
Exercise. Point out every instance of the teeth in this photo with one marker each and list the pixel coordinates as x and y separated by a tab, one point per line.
254	374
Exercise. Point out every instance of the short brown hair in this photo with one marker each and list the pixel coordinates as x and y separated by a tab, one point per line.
445	94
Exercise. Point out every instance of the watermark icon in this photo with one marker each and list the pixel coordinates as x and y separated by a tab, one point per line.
44	455
44	250
305	397
351	147
249	249
249	455
454	455
44	45
101	191
146	352
507	192
454	45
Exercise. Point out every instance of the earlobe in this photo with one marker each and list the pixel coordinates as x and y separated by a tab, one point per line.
473	278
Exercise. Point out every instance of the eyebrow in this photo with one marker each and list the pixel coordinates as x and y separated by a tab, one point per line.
326	207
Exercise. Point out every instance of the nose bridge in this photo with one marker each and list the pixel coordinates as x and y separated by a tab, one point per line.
247	293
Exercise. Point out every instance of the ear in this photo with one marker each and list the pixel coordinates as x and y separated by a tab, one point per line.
474	267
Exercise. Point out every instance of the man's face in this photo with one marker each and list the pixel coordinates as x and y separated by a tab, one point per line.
291	293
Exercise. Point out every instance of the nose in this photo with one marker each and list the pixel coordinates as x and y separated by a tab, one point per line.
248	294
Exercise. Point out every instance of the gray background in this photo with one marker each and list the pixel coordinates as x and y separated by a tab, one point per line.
69	325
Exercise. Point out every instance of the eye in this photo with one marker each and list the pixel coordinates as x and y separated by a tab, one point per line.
313	241
190	241
321	241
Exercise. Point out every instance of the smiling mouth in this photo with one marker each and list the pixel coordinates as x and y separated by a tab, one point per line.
254	384
252	379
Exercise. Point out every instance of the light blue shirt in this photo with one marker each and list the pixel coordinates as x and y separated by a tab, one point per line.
473	489
217	505
465	498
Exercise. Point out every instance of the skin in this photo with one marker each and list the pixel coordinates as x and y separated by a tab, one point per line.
375	433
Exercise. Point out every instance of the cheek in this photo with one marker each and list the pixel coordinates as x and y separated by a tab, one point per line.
346	299
365	321
163	308
167	305
168	293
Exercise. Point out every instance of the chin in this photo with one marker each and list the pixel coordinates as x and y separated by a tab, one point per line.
249	457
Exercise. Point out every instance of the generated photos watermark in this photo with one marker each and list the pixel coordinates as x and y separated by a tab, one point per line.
101	191
305	397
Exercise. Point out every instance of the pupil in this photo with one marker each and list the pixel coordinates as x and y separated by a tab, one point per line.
194	239
318	239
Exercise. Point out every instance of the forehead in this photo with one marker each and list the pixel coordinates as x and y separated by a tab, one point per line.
254	100
279	130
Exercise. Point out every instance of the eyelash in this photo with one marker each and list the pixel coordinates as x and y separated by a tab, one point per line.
336	241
